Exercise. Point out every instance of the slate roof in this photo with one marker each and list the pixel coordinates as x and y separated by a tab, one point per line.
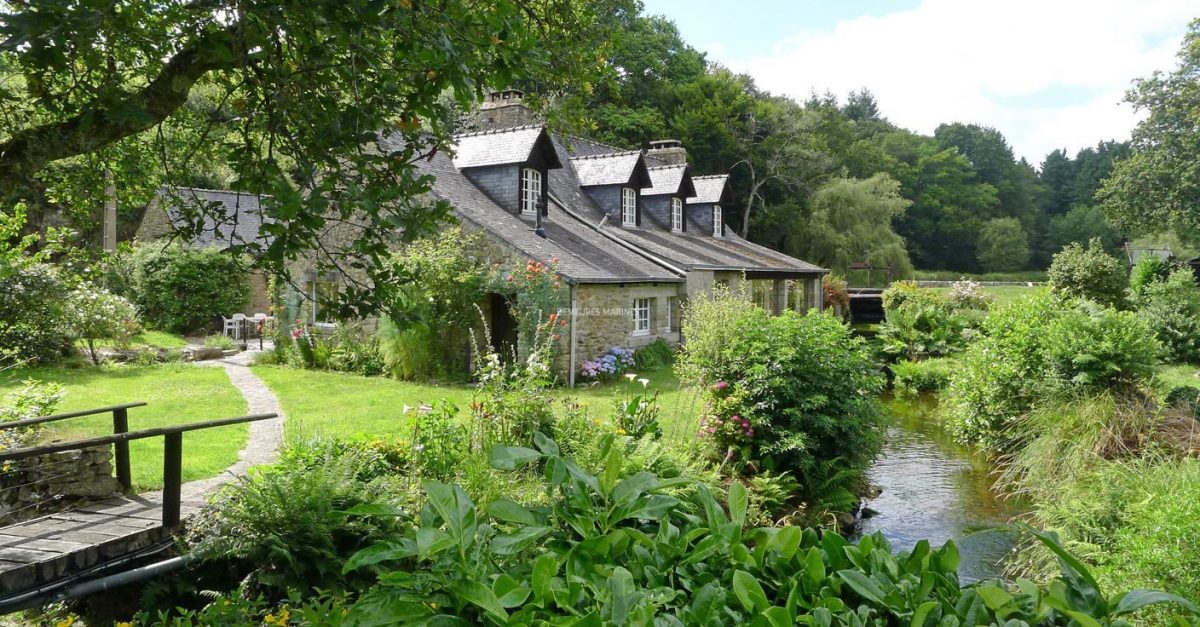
609	169
585	256
691	250
670	179
239	224
500	146
709	189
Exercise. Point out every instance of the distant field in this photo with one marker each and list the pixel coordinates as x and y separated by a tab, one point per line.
950	275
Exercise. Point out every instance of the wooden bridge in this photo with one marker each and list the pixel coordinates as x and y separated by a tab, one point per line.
43	558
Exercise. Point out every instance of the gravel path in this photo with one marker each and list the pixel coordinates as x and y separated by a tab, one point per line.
266	436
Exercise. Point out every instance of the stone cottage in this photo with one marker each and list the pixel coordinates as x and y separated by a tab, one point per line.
636	232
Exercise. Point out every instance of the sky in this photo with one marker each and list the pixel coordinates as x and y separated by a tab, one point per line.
1047	73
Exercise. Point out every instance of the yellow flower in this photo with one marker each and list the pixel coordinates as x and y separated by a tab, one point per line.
620	431
66	622
123	624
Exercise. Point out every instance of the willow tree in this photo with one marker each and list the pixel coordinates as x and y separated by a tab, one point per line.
296	95
851	221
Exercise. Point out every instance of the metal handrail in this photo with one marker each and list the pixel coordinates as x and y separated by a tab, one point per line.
172	454
74	414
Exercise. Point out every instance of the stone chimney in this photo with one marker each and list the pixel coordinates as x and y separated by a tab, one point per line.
505	108
669	151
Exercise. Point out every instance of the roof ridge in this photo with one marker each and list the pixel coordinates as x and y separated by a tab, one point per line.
497	131
607	155
598	143
209	189
710	176
668	165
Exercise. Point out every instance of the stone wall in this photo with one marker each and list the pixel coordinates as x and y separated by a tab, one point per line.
604	316
63	478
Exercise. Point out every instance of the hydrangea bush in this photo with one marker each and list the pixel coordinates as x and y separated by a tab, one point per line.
610	364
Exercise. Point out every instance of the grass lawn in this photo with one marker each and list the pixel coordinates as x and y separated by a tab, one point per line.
1004	294
174	393
148	338
333	404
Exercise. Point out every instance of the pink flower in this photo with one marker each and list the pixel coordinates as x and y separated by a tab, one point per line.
720	385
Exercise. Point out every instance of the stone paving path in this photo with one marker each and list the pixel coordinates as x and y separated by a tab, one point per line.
266	436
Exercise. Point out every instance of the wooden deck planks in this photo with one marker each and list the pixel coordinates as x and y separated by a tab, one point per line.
39	550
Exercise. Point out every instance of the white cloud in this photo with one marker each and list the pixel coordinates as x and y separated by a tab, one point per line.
1047	73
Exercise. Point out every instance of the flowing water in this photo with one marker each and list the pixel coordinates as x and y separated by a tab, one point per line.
937	490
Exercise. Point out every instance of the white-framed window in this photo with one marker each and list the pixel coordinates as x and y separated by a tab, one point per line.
628	206
531	190
676	214
641	316
718	226
322	293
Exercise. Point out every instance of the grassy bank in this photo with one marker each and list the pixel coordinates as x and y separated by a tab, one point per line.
174	393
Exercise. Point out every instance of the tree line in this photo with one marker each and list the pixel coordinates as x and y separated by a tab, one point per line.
831	180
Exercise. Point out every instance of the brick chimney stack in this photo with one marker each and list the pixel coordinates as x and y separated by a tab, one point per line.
669	151
505	108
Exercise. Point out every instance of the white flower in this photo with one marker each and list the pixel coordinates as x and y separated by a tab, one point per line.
630	376
644	382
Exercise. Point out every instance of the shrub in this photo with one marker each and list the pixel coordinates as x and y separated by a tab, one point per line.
440	442
922	377
1002	246
616	548
969	294
802	387
1037	348
183	289
655	355
221	341
293	528
511	400
31	400
33	315
1171	307
636	411
428	331
923	323
608	365
1089	273
94	313
835	293
1146	271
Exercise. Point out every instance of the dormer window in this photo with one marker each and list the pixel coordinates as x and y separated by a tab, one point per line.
531	191
628	206
676	214
718	225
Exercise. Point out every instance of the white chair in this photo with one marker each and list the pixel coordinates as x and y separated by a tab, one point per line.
230	327
239	320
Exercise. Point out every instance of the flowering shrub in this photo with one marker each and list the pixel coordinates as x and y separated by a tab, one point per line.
182	289
440	443
610	364
94	313
725	423
534	296
969	294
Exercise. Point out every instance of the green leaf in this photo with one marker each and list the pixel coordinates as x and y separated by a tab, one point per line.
738	503
993	596
545	444
509	591
513	543
863	585
814	568
373	509
510	511
786	541
1138	598
749	591
1084	619
778	616
376	553
948	558
511	457
922	613
544	569
621	595
482	597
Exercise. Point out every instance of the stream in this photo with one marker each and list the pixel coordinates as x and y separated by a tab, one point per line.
937	490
